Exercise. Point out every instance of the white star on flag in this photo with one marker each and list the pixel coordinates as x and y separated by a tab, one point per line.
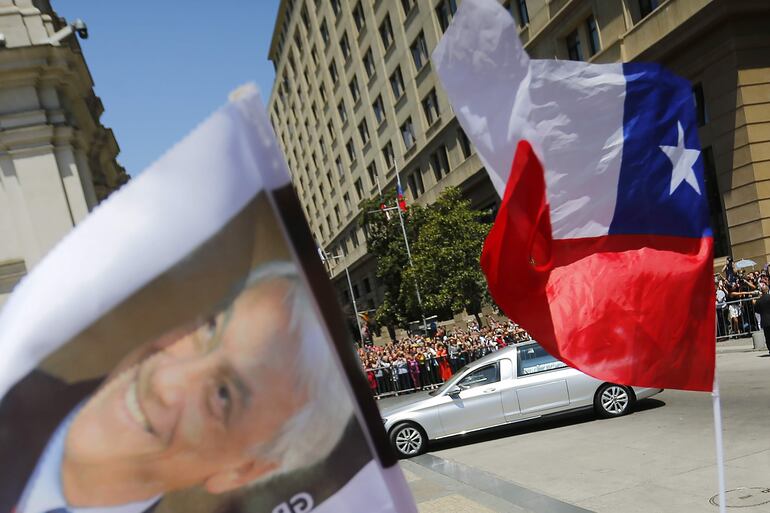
683	160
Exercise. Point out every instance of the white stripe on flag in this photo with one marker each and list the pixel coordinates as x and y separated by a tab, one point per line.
141	231
571	113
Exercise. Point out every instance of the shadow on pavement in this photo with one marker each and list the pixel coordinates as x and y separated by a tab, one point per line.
533	426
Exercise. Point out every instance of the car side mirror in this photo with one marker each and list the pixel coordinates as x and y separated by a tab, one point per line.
454	390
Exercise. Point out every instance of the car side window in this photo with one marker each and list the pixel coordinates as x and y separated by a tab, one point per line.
483	376
533	359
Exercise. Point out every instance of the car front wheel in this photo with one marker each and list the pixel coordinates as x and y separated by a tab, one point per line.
408	440
613	400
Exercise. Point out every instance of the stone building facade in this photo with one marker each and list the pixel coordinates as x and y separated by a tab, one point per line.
57	161
356	100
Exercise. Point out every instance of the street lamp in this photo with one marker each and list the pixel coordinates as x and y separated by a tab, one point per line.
325	257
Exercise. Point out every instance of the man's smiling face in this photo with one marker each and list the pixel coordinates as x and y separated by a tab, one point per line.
192	413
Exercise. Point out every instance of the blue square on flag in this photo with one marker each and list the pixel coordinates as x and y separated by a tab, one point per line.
661	190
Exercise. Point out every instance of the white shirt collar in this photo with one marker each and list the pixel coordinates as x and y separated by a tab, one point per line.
44	489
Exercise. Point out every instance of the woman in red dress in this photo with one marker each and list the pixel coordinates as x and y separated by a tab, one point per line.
443	363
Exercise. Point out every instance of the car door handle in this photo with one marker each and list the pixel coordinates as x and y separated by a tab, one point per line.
489	390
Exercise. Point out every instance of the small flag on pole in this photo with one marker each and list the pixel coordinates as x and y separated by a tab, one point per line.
400	194
383	206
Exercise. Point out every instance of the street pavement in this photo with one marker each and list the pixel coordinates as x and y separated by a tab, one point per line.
660	458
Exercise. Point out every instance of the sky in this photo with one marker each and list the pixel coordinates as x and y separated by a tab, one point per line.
161	67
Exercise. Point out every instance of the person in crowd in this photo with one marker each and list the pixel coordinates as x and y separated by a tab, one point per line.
763	309
443	362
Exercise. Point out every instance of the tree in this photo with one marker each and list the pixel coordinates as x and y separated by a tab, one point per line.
385	240
445	253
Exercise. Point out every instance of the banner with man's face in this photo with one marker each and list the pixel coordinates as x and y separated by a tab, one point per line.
182	350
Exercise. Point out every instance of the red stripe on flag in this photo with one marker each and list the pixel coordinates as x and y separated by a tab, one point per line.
634	310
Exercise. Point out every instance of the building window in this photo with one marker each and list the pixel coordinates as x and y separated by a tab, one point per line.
593	36
314	55
440	163
407	5
342	111
716	210
358	16
386	33
324	32
285	83
369	63
445	11
355	291
314	159
337	214
322	90
330	128
346	201
647	6
700	104
305	19
419	51
333	72
354	237
363	131
465	143
371	169
336	7
397	83
407	133
521	7
314	112
367	285
359	189
389	156
573	46
322	144
351	150
345	46
340	168
298	40
415	184
354	92
430	107
329	179
379	109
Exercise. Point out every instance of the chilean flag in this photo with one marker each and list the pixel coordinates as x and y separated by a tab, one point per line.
400	194
601	248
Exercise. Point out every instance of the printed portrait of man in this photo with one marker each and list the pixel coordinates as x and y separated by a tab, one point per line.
246	392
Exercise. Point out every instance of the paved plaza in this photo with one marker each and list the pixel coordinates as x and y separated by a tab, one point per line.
661	458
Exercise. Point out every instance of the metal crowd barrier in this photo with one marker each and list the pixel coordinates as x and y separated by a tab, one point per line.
736	319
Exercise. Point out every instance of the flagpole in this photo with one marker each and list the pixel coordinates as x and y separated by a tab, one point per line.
717	406
718	436
409	254
325	257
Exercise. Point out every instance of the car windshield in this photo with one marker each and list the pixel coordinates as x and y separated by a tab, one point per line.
450	382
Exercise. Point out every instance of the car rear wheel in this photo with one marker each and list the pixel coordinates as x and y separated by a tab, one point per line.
408	439
613	400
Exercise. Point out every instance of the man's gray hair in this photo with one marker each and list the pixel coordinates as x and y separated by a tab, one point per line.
316	427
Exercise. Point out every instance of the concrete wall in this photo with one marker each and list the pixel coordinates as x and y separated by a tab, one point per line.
56	159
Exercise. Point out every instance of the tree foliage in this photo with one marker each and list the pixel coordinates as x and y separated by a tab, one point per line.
445	240
385	240
446	256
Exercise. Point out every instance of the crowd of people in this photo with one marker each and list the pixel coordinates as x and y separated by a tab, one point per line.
736	293
417	362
